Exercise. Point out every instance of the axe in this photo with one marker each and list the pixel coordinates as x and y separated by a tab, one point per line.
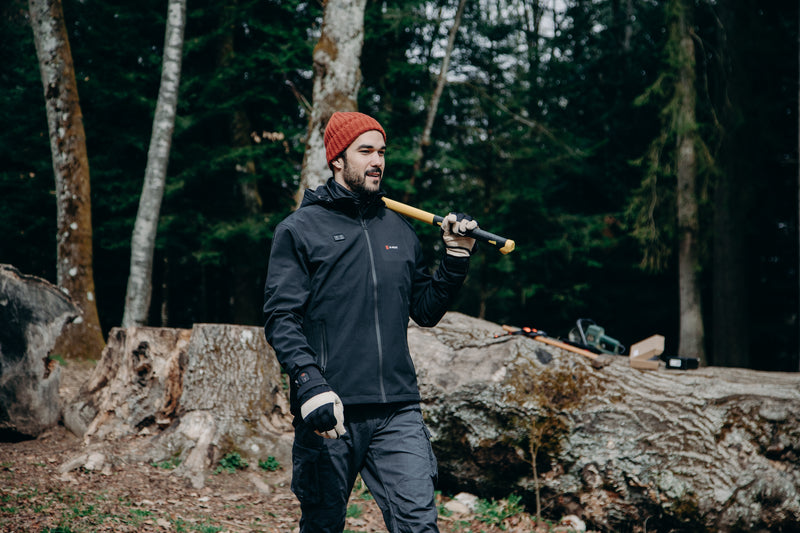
504	245
598	360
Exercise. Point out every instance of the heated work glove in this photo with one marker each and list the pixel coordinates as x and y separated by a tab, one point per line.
320	407
454	229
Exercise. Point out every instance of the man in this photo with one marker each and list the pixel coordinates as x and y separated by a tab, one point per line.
345	274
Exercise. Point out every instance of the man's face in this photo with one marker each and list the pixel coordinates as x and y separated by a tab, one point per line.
361	168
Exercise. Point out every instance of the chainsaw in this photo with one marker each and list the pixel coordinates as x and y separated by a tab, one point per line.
589	335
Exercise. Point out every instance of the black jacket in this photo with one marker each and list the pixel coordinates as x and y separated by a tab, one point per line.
343	280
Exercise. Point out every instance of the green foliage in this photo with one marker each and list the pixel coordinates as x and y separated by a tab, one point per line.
169	464
496	512
559	140
652	208
269	464
354	510
27	198
231	462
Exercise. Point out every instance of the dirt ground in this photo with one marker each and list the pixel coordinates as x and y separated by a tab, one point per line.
37	496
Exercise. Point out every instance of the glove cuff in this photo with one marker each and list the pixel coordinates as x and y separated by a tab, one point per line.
307	380
460	251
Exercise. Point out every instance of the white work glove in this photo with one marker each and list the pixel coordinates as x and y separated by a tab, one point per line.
325	410
455	227
320	407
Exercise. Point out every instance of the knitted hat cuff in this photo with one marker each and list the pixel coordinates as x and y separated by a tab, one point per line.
343	128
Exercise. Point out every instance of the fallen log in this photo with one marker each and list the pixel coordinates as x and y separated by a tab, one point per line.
713	448
33	312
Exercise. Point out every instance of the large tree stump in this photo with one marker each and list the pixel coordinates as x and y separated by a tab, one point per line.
233	400
190	396
712	448
32	315
136	384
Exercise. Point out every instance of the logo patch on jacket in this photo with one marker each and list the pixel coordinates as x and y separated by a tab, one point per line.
392	247
338	237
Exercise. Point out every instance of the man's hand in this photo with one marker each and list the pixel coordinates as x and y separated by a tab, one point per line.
325	413
454	230
320	407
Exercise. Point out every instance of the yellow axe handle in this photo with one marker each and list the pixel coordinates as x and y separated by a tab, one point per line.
504	245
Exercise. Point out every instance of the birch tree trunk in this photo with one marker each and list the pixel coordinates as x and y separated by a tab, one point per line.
337	78
691	317
83	337
433	107
137	298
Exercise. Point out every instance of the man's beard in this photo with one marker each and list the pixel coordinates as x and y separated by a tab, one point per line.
357	182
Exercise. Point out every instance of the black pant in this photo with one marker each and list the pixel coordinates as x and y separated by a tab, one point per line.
390	446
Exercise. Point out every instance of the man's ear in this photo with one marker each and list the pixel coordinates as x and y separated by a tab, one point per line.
337	163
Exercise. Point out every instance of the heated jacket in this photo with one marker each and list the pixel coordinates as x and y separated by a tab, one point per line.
344	276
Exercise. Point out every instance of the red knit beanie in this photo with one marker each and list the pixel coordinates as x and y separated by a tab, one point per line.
343	128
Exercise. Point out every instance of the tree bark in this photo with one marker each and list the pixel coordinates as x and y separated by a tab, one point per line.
433	106
143	241
691	339
712	449
32	315
337	78
83	337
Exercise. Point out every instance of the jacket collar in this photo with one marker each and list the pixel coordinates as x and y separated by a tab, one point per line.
335	196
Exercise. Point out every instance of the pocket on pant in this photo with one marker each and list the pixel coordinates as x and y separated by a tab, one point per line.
305	472
434	464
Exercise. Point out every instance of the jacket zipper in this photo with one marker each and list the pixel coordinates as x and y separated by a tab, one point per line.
323	359
377	314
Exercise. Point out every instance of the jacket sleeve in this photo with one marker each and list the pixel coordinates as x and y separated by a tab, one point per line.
285	299
433	294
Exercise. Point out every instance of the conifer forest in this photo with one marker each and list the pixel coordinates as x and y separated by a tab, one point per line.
642	154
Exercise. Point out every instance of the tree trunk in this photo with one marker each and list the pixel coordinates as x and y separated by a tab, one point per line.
83	337
140	279
244	258
731	338
433	106
337	78
691	317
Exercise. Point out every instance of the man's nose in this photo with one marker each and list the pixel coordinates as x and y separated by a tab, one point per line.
376	159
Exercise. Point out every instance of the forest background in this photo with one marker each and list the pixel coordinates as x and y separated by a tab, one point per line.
554	128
